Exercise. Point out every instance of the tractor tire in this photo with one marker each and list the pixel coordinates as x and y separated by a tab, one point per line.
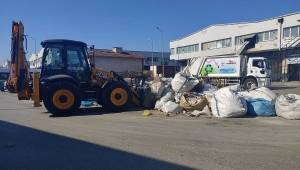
62	98
248	83
117	97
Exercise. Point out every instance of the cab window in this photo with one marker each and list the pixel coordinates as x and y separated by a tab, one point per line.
76	58
53	59
258	63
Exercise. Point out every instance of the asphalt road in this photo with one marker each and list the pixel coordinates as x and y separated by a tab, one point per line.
30	138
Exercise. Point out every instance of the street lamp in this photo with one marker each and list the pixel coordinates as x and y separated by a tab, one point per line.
34	48
162	53
152	57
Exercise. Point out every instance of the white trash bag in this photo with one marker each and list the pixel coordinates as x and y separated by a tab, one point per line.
167	97
261	92
288	106
226	103
183	83
171	107
157	89
208	88
159	104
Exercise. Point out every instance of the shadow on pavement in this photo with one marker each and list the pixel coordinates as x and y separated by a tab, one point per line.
89	111
95	110
281	88
35	149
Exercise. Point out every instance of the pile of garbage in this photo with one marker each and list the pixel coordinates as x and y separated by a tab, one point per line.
191	97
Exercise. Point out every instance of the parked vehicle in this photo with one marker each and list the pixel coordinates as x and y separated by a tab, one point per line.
235	69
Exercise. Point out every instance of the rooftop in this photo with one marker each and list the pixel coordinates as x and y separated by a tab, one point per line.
236	24
104	53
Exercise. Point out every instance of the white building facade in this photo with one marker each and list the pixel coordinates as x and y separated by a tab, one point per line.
267	38
6	64
35	60
159	59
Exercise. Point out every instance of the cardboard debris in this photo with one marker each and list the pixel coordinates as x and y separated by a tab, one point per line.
193	102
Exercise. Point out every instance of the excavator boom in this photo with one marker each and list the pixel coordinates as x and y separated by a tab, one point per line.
18	80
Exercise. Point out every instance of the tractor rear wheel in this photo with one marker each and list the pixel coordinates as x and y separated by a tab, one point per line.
117	96
62	98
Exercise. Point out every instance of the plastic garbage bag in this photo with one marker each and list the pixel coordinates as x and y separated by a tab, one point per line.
226	103
159	104
260	107
205	112
262	92
171	107
208	88
288	106
183	83
157	89
168	97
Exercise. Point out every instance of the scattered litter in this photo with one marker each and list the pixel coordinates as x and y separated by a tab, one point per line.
205	112
146	113
288	106
173	114
192	102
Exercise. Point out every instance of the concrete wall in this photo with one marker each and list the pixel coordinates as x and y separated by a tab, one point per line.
118	64
217	32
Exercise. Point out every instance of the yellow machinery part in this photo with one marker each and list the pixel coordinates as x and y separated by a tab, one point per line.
63	99
36	90
119	96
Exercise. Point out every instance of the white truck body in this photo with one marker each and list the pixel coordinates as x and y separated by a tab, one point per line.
234	68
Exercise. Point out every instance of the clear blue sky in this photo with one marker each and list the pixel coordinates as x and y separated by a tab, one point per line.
127	23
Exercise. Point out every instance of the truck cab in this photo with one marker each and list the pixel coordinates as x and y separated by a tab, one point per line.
259	69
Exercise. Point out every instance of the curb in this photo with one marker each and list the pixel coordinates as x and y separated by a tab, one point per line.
293	83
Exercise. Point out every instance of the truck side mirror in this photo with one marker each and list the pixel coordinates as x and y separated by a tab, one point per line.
262	71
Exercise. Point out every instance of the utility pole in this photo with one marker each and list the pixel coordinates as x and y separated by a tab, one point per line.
162	53
152	57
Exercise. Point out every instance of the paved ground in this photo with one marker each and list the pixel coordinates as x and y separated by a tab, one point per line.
95	139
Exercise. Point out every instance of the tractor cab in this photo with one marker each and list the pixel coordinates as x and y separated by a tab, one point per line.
65	59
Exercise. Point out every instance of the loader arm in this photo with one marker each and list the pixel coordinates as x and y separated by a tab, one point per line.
18	80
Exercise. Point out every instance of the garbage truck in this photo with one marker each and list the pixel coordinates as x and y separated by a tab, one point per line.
232	69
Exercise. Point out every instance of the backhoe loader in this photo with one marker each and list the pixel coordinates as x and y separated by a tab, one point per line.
68	76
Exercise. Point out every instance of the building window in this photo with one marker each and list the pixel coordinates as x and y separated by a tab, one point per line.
188	49
196	47
266	36
216	44
172	51
291	31
273	35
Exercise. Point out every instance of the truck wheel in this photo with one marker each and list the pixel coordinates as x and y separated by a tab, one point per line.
62	98
117	96
248	83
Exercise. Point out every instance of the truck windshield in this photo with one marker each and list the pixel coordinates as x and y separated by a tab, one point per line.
267	63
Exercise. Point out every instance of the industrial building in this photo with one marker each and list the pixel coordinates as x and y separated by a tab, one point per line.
276	38
120	60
